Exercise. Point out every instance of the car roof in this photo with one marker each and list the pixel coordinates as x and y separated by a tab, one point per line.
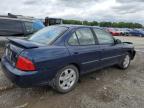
77	26
17	19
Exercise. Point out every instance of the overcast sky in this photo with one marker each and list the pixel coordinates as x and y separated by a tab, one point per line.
98	10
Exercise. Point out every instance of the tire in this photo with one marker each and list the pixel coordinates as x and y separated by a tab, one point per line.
125	62
127	34
140	35
66	79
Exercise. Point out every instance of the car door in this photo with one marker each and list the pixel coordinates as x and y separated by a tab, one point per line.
83	48
111	53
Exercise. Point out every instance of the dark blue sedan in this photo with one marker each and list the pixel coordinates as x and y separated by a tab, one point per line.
139	33
58	55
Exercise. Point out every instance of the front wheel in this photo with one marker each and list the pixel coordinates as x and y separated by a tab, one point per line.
66	79
124	64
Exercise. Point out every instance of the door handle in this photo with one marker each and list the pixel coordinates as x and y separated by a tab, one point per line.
76	53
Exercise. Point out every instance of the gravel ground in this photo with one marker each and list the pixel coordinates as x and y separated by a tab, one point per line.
106	88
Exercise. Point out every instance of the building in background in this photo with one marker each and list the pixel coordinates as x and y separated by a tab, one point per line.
52	21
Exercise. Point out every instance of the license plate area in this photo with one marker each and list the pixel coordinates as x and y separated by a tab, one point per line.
10	56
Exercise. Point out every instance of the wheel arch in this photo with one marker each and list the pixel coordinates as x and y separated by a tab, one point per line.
77	66
132	54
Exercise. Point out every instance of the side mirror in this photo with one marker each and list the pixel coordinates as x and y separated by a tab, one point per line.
117	41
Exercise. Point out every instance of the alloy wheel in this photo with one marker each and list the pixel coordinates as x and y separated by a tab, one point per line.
67	79
126	61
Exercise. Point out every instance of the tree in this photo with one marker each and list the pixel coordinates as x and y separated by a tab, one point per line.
105	24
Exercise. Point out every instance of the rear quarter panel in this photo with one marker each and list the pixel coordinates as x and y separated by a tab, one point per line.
49	59
4	41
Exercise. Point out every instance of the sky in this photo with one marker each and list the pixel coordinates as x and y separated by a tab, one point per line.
91	10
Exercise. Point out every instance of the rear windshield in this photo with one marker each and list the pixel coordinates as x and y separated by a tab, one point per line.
47	34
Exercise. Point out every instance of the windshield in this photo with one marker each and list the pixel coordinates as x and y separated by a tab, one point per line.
47	35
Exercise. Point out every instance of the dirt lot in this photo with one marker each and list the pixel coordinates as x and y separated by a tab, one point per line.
137	41
106	88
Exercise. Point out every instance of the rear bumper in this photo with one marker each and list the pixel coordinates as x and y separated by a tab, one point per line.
22	78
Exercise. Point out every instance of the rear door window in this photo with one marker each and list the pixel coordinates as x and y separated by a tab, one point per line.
73	40
85	36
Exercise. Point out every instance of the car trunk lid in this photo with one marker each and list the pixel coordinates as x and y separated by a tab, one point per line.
15	47
23	43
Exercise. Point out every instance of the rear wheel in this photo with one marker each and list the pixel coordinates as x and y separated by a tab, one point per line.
125	62
66	79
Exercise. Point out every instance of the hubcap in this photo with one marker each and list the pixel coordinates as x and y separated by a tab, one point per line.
67	79
126	61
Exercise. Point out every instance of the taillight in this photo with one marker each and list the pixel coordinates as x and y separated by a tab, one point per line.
25	64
